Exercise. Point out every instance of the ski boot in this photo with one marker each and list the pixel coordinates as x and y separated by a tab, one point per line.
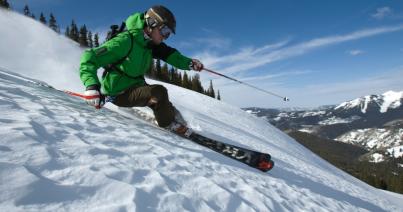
179	129
179	125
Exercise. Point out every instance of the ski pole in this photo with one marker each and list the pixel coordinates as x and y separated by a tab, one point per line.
262	90
78	94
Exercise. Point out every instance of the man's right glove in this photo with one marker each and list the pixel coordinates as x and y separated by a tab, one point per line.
93	97
196	65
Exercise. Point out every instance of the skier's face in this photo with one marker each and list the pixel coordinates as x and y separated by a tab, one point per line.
156	36
165	31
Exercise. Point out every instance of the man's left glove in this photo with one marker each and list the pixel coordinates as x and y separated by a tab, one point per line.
196	65
94	97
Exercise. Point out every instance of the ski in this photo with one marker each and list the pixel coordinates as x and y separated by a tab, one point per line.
255	159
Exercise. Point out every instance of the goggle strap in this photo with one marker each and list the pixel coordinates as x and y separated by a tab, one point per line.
160	19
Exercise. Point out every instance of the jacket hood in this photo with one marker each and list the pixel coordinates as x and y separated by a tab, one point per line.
135	25
135	22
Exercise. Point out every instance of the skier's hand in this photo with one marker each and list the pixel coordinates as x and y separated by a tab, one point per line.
93	97
196	65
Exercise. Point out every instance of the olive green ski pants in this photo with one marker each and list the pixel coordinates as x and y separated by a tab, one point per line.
153	96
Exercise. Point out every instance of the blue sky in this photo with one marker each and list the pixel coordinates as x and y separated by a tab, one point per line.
314	52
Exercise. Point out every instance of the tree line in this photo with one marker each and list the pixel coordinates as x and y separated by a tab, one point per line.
82	35
173	76
87	39
4	4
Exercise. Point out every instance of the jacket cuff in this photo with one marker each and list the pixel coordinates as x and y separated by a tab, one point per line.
93	87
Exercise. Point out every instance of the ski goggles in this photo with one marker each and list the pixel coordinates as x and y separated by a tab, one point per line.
165	31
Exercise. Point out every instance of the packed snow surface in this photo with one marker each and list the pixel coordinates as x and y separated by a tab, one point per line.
59	154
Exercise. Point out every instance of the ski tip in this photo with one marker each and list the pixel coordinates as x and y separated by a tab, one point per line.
265	166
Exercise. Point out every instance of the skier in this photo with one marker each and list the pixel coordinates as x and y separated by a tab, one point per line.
127	57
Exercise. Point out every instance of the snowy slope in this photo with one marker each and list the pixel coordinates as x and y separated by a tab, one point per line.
58	154
36	51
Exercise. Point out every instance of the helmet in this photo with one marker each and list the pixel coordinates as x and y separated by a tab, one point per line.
158	16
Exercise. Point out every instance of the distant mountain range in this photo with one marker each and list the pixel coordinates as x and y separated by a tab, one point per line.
374	122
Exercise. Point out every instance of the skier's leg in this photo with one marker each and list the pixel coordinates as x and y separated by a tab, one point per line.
153	96
164	111
179	118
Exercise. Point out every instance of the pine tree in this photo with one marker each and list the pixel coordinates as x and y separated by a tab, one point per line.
53	24
33	16
151	73
4	4
67	32
210	91
158	69
90	42
73	31
196	84
179	78
26	11
82	39
186	81
42	19
172	75
176	77
96	40
218	95
164	73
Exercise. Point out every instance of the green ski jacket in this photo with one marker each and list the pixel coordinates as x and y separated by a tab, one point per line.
136	64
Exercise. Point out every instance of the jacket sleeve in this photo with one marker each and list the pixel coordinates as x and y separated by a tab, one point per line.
108	53
171	56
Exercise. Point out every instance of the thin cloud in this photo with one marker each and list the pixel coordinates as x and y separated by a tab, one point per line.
214	60
388	81
355	52
209	31
207	43
277	75
250	58
382	13
312	95
210	40
214	42
266	82
335	93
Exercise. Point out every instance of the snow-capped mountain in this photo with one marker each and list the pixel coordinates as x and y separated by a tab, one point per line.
381	103
59	154
373	122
